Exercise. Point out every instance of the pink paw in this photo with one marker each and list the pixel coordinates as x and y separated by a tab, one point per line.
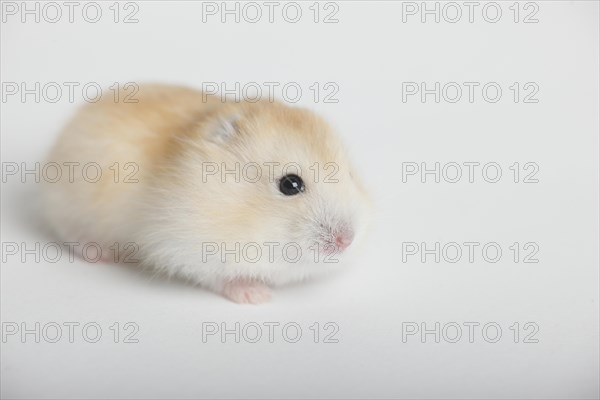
93	252
247	292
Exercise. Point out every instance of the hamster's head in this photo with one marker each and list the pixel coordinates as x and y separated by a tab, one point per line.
276	177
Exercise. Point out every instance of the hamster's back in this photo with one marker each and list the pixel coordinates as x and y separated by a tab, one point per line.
107	153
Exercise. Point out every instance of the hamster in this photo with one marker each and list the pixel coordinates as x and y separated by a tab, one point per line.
238	197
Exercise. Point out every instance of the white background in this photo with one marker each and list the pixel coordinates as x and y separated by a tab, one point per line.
368	54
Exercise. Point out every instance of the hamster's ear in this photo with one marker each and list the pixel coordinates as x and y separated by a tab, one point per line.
224	128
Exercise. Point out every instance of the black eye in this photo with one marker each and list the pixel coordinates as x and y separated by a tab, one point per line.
291	185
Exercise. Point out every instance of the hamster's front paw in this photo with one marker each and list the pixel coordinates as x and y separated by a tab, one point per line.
244	291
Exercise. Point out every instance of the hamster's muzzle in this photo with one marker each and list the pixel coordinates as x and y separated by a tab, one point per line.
338	239
344	239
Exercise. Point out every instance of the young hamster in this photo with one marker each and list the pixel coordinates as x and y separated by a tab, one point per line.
235	196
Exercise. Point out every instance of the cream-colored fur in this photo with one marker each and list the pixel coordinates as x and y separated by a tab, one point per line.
170	137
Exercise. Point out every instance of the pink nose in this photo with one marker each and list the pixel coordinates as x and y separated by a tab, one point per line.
344	239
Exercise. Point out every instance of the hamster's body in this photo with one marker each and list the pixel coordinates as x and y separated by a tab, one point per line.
165	190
